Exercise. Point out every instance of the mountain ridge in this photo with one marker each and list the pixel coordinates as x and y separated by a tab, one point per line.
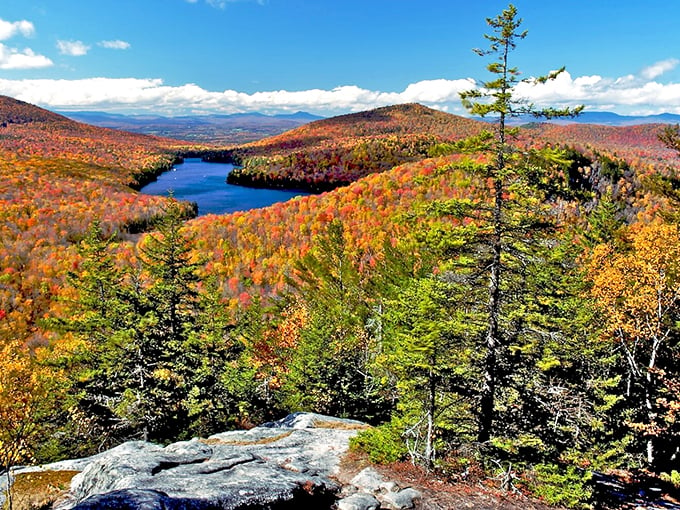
139	121
602	118
224	129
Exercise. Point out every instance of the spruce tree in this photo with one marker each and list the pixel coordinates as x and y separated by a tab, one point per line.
428	351
159	343
496	97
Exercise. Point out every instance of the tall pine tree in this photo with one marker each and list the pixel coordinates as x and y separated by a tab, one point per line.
510	172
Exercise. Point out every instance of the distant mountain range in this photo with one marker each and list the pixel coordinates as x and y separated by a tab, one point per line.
236	128
240	128
606	119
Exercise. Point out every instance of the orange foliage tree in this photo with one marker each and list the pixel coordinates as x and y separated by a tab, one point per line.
638	294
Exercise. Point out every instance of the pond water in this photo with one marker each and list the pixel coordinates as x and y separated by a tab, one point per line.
205	183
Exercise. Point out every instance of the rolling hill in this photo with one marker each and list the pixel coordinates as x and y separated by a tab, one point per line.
57	176
27	130
328	153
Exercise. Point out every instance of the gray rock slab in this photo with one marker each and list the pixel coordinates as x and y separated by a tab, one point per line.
368	480
292	460
311	420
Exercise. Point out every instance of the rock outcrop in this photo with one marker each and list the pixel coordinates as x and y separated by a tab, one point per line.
368	490
291	463
285	464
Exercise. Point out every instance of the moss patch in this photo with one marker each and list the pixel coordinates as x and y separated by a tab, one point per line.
339	425
241	442
34	491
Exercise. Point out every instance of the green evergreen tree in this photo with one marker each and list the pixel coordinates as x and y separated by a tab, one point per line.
220	379
329	372
506	231
101	310
160	360
154	366
429	350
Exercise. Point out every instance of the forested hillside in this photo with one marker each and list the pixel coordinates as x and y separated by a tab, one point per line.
122	318
333	152
57	177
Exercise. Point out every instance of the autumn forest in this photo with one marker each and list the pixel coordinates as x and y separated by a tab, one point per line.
500	303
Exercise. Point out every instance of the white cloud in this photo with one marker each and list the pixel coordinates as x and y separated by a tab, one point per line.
627	94
9	29
114	45
659	68
72	48
132	94
11	58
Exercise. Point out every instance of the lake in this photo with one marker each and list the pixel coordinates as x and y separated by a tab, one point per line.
205	183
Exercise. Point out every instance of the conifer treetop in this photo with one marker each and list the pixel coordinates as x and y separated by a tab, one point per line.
495	96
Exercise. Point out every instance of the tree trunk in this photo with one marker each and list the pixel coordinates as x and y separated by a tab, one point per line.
429	442
492	340
651	413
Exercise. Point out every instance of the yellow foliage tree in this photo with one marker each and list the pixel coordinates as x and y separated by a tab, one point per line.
24	387
638	293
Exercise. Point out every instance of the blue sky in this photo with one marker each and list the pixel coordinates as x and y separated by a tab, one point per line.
328	56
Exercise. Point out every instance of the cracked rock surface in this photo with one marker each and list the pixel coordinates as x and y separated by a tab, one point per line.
285	464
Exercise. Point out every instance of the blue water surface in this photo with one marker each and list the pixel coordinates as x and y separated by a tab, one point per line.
205	183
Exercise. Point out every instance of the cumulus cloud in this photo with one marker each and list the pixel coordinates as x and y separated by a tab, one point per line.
72	48
9	29
152	95
114	45
11	58
628	94
659	68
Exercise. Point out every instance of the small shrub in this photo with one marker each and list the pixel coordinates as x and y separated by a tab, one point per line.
564	486
382	444
463	465
673	477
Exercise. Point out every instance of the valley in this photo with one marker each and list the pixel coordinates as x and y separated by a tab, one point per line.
275	271
208	129
500	307
443	288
